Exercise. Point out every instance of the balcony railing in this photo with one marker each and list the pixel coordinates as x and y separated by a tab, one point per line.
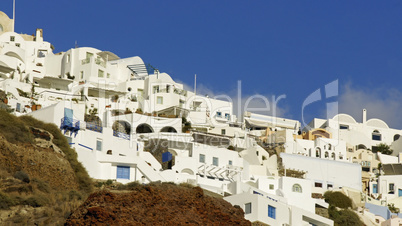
70	124
100	62
121	135
85	61
94	127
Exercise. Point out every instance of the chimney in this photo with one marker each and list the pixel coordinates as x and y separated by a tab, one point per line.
364	116
39	35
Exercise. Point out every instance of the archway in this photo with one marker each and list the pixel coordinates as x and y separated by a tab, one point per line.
122	126
188	171
144	128
168	129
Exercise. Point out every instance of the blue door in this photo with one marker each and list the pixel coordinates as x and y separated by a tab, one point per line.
399	192
375	188
123	172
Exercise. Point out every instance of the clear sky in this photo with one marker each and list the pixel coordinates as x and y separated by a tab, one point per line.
273	47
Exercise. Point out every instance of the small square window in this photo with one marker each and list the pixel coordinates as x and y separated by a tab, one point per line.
159	100
12	38
100	73
318	185
215	161
202	158
247	208
230	162
223	131
271	187
17	44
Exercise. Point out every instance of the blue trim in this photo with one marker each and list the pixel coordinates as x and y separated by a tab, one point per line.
86	147
71	143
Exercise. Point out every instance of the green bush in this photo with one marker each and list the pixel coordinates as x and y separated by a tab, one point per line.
129	186
41	185
22	176
74	195
36	201
13	129
6	202
344	217
337	199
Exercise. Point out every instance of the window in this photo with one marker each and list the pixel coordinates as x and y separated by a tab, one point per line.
82	75
326	154
396	137
247	208
391	189
297	188
318	153
318	185
329	186
108	75
202	158
343	127
159	100
89	55
218	114
99	145
227	116
156	89
123	172
167	88
215	161
223	131
42	53
376	135
271	212
271	187
100	73
333	156
12	38
230	162
17	44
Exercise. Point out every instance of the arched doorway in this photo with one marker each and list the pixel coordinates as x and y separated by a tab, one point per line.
168	129
144	128
122	126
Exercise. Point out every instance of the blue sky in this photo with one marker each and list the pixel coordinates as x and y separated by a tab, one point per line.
273	47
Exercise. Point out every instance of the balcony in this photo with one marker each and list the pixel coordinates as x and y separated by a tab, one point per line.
70	124
85	61
121	135
94	127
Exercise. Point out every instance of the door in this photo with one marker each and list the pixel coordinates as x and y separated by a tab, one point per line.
375	188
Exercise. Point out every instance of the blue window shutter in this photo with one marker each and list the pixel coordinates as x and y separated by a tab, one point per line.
271	212
123	172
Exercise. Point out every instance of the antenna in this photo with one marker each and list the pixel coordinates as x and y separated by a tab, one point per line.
13	15
195	84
